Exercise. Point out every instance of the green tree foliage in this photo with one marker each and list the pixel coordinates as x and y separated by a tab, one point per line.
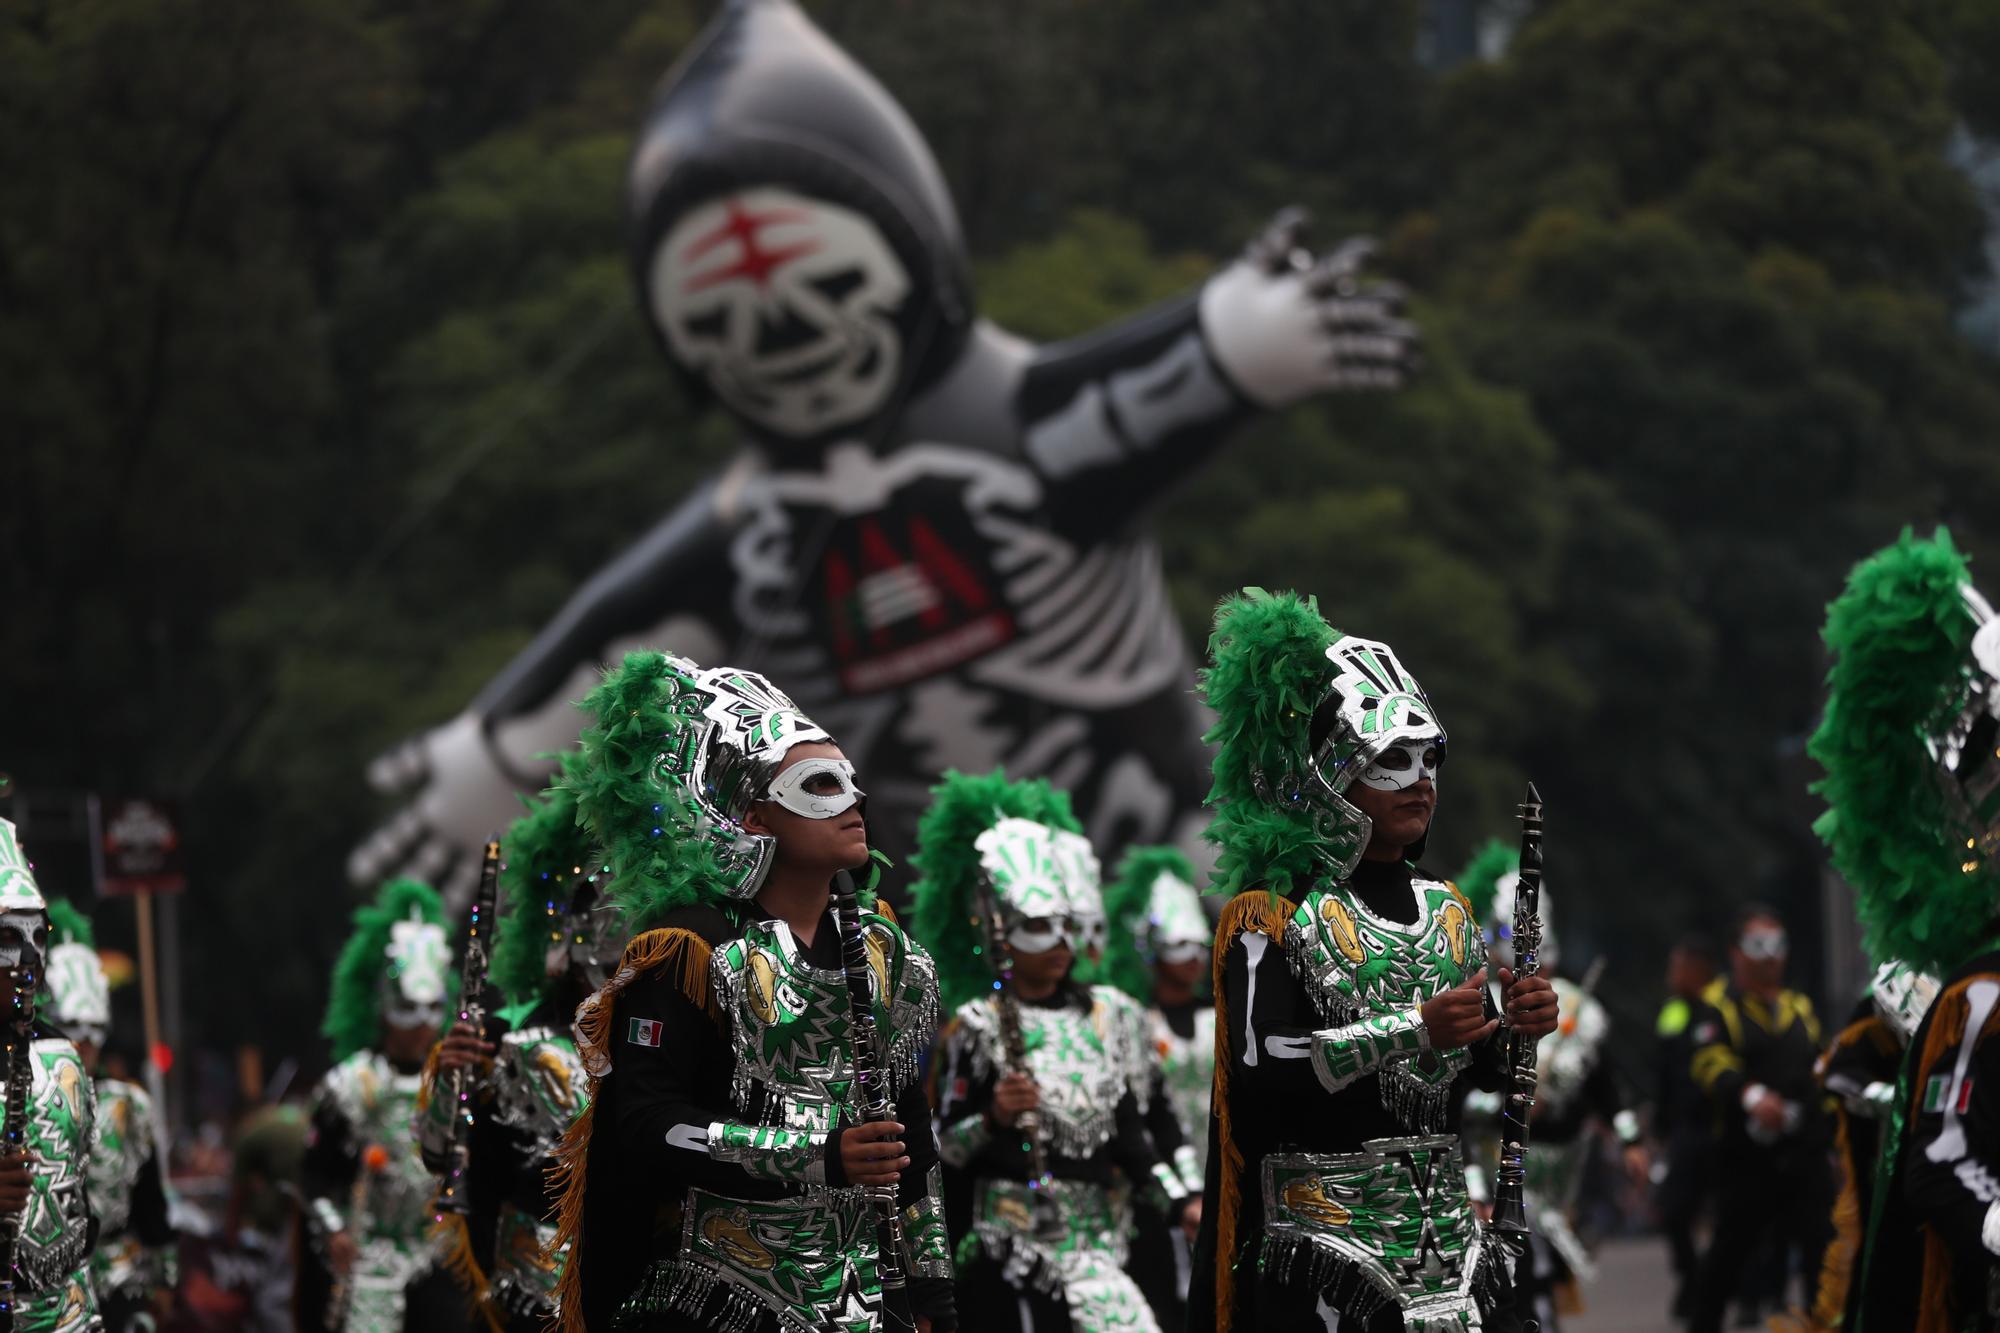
326	382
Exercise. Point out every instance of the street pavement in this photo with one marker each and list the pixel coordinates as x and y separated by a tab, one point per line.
1635	1284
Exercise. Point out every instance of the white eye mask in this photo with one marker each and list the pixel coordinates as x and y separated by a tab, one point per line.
1403	765
1040	934
817	788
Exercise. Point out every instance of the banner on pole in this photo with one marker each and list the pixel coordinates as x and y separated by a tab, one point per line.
141	844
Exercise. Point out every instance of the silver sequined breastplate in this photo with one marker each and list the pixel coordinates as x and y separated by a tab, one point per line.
1354	963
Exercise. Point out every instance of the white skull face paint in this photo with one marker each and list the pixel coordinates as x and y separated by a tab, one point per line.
1083	883
24	938
418	957
817	788
785	305
1403	765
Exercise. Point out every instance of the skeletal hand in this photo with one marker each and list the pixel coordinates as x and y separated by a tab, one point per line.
1286	323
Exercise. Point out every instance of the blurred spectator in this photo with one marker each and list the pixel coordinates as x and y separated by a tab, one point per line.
1755	1048
1681	1119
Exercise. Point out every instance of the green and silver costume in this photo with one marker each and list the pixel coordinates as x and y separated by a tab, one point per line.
703	1186
555	941
135	1256
1336	1178
1064	1242
54	1292
363	1174
1910	744
1574	1082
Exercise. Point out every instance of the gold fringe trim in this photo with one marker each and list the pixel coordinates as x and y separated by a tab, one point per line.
688	954
1934	1313
1836	1267
1265	913
453	1234
427	1081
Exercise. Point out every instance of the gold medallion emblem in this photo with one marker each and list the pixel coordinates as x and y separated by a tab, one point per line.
1014	1213
1452	921
733	1239
762	991
1340	927
1306	1196
878	961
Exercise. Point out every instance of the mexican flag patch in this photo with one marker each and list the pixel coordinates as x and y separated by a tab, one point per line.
643	1032
1938	1090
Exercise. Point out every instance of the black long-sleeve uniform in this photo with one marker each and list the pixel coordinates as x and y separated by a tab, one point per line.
1278	1105
653	1111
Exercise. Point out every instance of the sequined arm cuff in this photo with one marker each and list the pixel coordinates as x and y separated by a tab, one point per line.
964	1140
923	1228
1626	1126
1166	1191
327	1217
770	1153
1342	1055
1188	1163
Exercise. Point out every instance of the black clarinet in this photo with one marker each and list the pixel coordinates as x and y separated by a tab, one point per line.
14	1128
1013	1048
1510	1211
897	1316
452	1196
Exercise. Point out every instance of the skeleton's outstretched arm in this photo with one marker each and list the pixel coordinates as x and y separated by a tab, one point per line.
670	590
1113	419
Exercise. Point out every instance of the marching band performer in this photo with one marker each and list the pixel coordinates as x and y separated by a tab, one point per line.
555	942
1574	1086
724	1175
1910	744
43	1185
1157	952
1038	1105
1349	995
370	1265
134	1263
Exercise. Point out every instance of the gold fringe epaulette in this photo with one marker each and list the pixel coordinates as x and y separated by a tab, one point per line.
1261	912
687	955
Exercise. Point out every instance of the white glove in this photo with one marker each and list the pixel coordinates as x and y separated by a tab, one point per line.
1284	324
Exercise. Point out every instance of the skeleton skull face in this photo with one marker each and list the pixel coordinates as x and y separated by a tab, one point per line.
1083	883
24	938
786	305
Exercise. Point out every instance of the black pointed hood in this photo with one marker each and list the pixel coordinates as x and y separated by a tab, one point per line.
764	98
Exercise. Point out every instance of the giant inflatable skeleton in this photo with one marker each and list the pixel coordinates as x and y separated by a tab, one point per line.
930	537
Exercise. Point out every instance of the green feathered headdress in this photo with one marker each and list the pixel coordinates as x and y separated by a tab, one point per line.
662	848
1901	635
354	1009
1128	901
67	925
944	900
547	852
1480	880
1267	671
